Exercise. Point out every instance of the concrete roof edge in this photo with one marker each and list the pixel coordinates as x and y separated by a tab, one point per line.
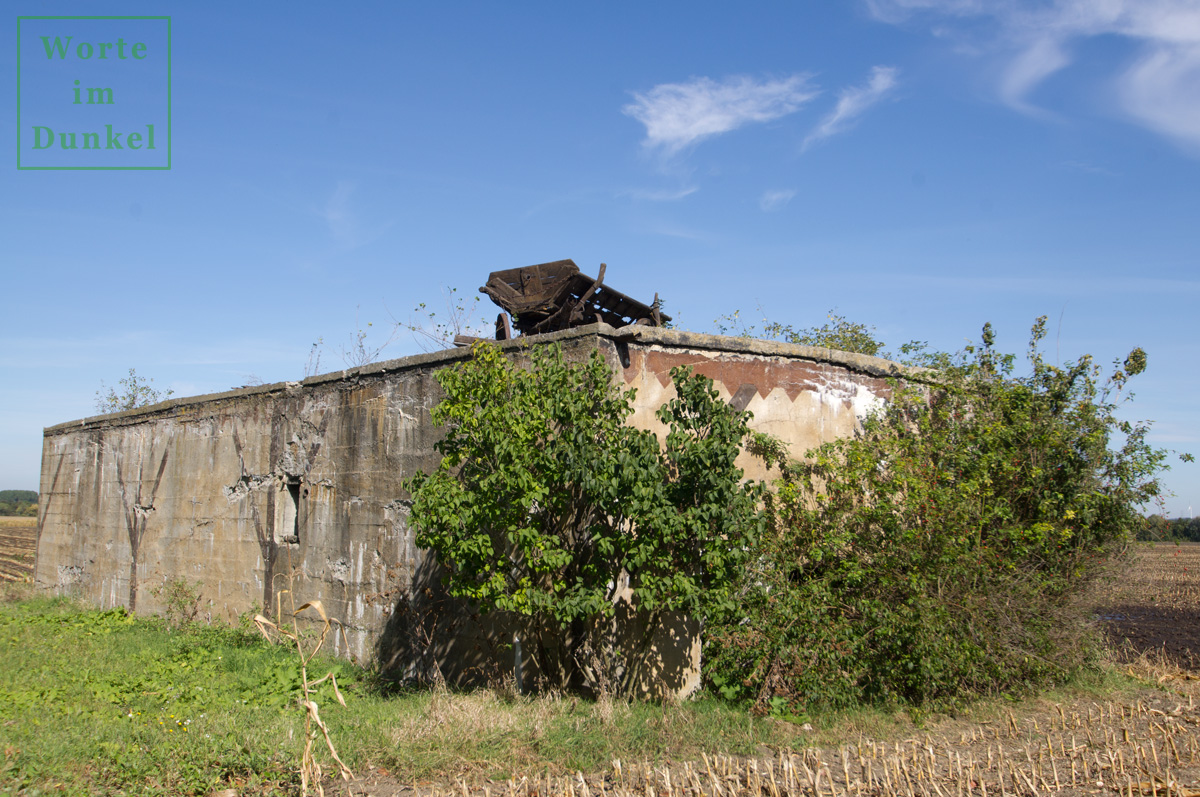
865	363
874	366
445	356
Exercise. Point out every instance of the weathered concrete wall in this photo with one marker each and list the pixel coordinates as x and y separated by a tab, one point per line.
239	490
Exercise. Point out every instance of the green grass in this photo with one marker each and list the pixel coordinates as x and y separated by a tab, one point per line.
98	701
101	702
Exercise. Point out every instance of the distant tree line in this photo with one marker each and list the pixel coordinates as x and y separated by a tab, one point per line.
18	502
1160	529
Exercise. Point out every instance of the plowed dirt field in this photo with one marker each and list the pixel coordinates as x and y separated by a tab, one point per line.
18	547
1155	606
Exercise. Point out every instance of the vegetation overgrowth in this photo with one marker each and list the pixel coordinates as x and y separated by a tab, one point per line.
547	503
936	556
942	552
838	333
101	702
131	392
104	702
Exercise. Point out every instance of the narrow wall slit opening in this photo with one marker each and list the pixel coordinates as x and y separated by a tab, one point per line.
289	525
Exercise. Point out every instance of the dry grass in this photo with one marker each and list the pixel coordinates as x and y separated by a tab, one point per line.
487	735
1146	745
1108	737
1155	666
461	730
1164	574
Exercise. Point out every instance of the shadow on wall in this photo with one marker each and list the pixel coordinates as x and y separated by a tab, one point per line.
433	638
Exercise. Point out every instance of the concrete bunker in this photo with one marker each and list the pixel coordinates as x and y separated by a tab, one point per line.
301	480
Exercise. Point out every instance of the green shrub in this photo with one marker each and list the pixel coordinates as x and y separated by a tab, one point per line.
181	601
546	501
134	391
942	552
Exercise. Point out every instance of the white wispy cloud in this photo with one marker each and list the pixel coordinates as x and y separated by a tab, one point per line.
677	115
1162	90
1159	88
673	230
896	11
662	195
346	226
1089	168
774	200
1038	61
853	102
337	214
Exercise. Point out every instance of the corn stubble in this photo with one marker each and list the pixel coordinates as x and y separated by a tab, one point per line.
1142	747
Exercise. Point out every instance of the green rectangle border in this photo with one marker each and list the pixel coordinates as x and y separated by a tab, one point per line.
94	168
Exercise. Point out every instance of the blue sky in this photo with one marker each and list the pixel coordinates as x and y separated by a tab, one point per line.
922	166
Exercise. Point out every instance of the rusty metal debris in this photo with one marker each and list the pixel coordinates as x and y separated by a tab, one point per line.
548	297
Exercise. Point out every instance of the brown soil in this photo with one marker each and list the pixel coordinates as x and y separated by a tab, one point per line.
18	547
1155	607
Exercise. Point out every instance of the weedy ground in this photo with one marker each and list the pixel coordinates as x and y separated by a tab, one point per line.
101	702
96	702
